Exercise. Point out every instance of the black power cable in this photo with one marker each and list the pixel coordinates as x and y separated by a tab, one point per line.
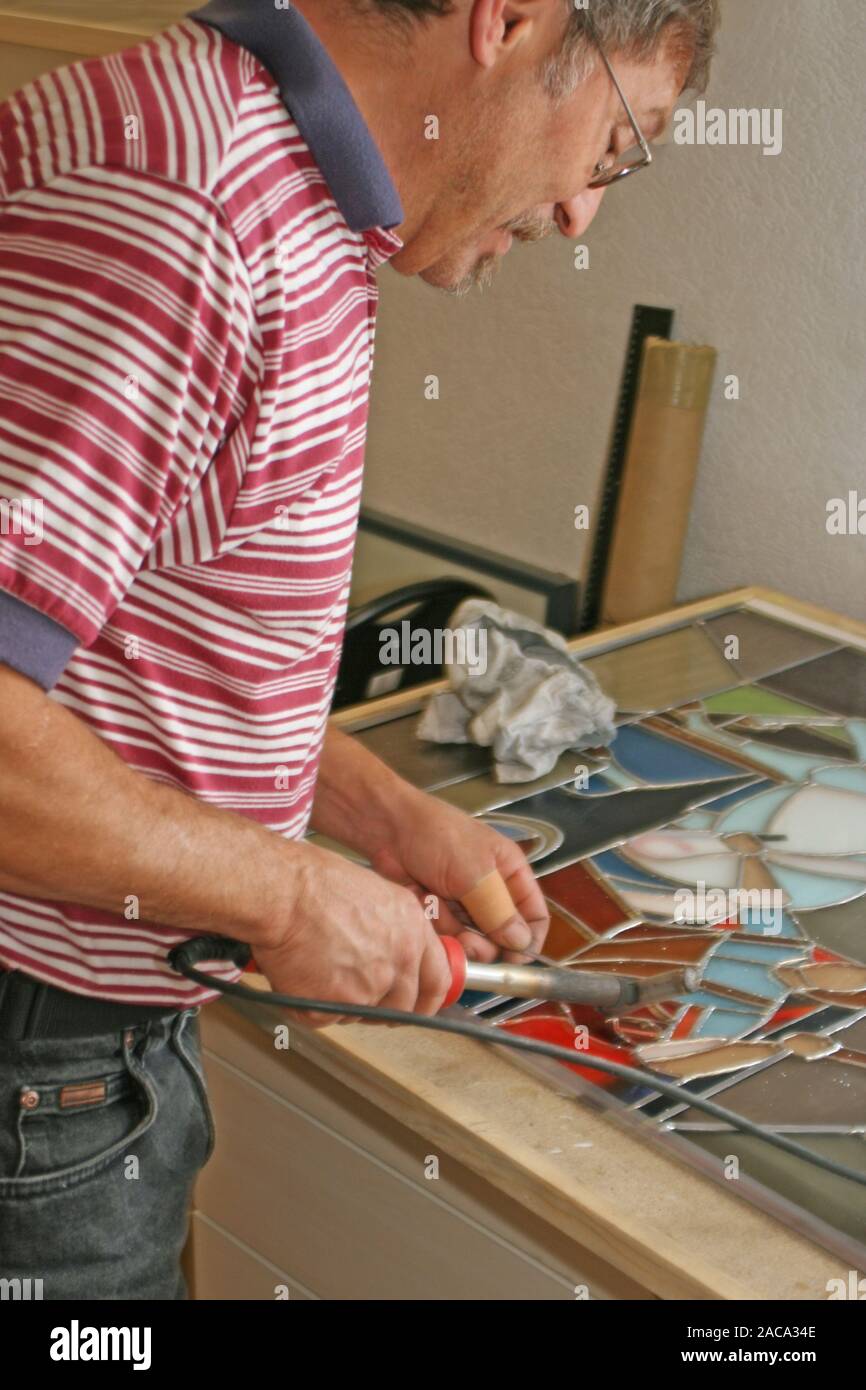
184	957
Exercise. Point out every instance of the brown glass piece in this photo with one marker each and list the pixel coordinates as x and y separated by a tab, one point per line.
841	928
563	938
578	890
835	683
765	645
660	672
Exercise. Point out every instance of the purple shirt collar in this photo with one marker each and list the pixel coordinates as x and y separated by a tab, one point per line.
319	102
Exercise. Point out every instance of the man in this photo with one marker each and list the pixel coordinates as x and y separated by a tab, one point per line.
189	235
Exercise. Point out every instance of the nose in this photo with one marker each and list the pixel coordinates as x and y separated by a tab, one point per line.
574	216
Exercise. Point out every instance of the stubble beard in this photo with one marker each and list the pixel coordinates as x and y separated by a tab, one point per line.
528	227
480	277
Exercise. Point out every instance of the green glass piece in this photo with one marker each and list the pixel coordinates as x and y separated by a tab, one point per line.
753	699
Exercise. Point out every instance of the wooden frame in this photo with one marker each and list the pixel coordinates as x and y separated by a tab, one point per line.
769	601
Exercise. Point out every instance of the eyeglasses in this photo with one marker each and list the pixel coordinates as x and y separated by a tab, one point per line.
632	160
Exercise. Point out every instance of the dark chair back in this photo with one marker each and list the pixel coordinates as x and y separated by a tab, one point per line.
425	607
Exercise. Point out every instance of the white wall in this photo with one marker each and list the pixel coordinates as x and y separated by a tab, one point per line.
763	257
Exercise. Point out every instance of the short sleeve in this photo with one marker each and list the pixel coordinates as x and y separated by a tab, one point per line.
121	371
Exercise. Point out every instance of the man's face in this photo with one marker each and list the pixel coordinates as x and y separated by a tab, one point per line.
522	168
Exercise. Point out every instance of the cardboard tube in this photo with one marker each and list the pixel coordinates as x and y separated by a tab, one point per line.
489	903
658	480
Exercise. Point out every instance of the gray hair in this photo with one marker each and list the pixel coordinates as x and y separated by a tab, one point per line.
636	28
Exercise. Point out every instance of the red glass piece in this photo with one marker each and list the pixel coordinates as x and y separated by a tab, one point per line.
578	891
556	1028
563	938
688	1021
788	1013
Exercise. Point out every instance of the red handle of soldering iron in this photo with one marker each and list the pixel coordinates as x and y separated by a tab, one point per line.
457	961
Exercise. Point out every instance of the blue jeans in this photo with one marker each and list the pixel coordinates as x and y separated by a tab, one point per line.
100	1142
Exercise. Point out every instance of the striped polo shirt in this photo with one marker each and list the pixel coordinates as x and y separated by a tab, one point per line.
189	234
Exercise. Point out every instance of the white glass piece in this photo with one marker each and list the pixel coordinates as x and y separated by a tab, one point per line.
822	820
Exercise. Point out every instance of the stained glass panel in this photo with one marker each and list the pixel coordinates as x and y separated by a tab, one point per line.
724	829
728	832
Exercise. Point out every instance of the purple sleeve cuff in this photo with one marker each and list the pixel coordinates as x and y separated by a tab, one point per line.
33	644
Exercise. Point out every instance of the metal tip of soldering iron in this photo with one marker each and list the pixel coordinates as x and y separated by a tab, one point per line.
670	985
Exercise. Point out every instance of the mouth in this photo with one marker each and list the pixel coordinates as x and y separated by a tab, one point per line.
527	227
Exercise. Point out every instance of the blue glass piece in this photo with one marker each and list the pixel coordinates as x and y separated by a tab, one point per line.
741	794
850	779
736	974
759	921
632	1096
784	926
857	734
796	767
698	820
599	784
814	890
732	949
698	724
658	760
705	999
719	1023
504	827
754	815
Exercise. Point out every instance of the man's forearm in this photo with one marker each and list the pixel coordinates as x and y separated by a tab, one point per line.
357	795
77	824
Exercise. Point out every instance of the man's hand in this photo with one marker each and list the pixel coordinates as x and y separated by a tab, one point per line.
318	925
425	844
344	933
435	848
78	824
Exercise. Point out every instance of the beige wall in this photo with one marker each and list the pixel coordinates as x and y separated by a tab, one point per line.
761	256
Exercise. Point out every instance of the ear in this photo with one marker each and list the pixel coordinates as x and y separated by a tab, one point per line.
497	27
